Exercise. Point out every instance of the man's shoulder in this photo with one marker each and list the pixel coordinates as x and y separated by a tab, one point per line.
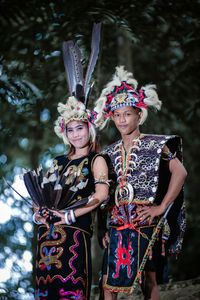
160	138
109	149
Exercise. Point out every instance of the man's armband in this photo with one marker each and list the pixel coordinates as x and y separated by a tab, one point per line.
168	155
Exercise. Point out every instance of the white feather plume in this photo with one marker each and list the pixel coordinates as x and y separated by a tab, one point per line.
120	75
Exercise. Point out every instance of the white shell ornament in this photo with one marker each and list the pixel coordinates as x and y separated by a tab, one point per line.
125	190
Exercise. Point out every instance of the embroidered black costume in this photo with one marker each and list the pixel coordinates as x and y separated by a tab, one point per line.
64	258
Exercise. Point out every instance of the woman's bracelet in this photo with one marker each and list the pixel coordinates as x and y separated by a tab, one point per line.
34	219
66	218
72	216
73	219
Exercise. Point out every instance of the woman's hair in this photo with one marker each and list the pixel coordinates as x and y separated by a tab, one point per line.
94	147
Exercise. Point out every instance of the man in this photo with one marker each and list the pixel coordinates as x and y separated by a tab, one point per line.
150	177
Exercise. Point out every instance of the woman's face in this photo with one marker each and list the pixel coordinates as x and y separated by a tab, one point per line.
126	119
78	134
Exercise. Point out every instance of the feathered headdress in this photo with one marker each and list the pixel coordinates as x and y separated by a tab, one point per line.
122	91
80	89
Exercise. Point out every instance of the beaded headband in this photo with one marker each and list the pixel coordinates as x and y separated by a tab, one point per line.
125	95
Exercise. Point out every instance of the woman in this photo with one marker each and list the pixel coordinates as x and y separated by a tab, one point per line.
64	259
63	255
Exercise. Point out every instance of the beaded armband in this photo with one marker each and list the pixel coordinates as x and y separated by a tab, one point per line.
102	180
168	155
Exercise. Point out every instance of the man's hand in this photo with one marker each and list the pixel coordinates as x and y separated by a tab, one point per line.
149	212
106	240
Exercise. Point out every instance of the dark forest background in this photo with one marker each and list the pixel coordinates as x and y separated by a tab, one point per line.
157	40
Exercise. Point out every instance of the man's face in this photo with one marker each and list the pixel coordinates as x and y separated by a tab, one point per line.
126	119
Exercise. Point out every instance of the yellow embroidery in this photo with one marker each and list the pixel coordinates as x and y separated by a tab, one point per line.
75	171
52	259
121	97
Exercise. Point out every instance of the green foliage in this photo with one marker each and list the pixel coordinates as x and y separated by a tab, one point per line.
163	37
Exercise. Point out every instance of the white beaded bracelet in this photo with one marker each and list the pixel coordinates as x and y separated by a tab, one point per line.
66	218
72	216
35	221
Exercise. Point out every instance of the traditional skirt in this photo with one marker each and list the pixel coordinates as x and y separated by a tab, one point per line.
126	256
63	264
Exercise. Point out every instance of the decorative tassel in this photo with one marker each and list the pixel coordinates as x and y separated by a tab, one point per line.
140	278
163	247
150	253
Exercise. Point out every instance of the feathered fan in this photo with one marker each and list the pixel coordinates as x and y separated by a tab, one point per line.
52	191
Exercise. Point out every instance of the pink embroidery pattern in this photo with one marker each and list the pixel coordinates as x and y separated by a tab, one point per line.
78	295
71	276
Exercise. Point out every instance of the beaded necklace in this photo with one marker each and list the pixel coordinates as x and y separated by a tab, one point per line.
126	161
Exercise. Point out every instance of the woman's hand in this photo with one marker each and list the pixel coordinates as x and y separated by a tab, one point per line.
106	240
40	218
61	215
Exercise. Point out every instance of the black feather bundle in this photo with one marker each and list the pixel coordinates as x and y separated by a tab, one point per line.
52	191
93	59
78	87
73	69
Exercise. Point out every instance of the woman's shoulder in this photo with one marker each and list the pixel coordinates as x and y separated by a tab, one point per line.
97	158
100	155
61	159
